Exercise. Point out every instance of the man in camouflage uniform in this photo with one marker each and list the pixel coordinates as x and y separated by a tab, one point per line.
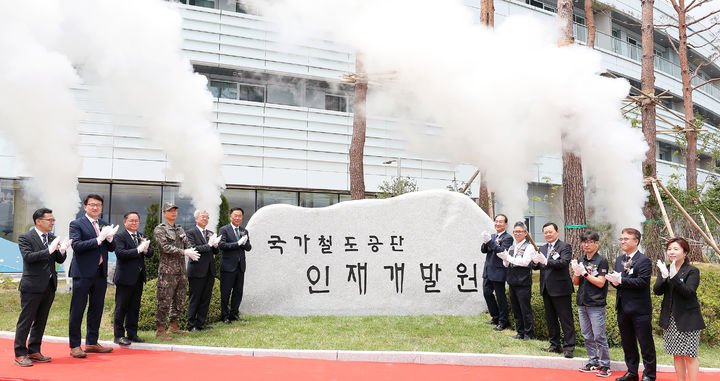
173	247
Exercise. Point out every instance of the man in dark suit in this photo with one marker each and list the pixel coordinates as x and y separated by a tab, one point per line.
631	278
201	273
234	242
556	287
131	248
494	272
40	250
91	242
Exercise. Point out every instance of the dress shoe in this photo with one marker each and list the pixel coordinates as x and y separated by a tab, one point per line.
97	348
136	339
122	341
568	354
518	336
227	321
492	322
627	377
646	378
78	353
500	327
206	327
551	349
527	338
23	361
38	357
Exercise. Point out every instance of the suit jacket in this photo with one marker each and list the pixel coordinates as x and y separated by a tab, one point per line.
555	275
233	255
130	264
633	294
86	251
680	299
206	264
494	269
38	263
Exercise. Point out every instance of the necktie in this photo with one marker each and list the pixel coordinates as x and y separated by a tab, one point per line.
134	237
237	233
45	242
497	240
204	234
550	246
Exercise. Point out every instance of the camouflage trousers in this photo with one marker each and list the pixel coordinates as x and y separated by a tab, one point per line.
171	291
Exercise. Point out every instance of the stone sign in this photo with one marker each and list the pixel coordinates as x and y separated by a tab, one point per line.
414	254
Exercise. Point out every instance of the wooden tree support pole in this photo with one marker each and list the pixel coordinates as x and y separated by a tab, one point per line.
707	229
467	184
687	216
662	209
711	214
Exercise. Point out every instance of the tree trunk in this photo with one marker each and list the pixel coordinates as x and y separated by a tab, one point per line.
590	21
691	157
652	227
357	144
487	13
484	196
573	189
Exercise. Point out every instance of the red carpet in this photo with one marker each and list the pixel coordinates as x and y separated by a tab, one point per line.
137	365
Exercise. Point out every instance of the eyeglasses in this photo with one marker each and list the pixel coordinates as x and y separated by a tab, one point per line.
47	219
589	242
94	205
204	217
625	239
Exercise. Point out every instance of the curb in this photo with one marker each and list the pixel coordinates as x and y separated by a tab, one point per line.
469	359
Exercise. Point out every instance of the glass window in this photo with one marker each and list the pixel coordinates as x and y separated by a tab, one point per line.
133	198
335	103
252	93
665	151
203	3
317	200
345	197
283	95
243	198
221	89
100	189
266	197
184	203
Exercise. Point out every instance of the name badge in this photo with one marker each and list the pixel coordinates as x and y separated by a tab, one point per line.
556	256
630	272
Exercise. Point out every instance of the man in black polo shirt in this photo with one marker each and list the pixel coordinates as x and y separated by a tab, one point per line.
592	291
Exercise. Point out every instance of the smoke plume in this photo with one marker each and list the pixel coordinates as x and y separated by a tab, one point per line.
504	98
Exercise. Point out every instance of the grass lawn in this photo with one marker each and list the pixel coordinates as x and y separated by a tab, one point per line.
433	333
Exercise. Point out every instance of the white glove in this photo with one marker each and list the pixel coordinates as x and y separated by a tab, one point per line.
503	255
104	233
65	245
614	278
663	269
143	246
214	240
485	236
573	266
112	233
54	245
192	254
242	240
673	270
540	258
581	270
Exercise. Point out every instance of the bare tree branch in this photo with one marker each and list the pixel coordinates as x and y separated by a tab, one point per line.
705	83
627	23
715	23
715	38
672	44
692	5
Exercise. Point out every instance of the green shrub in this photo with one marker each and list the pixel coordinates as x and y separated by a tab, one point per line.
148	306
707	294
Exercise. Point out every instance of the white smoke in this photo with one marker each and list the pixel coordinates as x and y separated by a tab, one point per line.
132	52
504	98
38	113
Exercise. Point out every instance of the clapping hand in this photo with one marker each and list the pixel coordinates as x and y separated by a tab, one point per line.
663	269
485	236
673	270
192	254
242	240
540	258
112	232
65	245
503	255
143	246
615	278
104	233
214	240
53	245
